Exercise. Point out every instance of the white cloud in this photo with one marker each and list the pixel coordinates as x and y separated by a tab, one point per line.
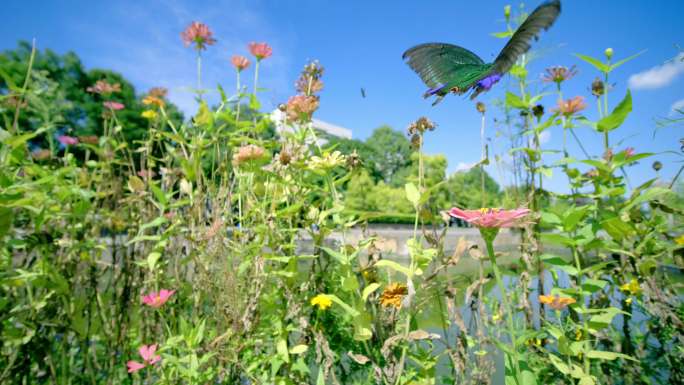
678	105
462	166
658	76
544	137
148	50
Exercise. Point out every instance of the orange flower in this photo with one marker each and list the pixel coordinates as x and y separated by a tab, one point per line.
248	153
301	107
393	294
153	100
260	50
556	302
239	62
571	106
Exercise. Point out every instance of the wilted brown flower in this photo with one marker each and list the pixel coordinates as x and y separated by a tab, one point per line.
159	92
198	34
598	88
285	157
559	74
571	106
308	85
393	294
248	153
301	107
354	160
421	125
89	139
41	154
14	101
102	87
481	108
415	141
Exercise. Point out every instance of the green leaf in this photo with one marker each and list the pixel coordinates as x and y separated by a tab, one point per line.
617	228
648	195
394	266
281	348
595	62
368	290
560	263
618	116
623	61
351	311
515	101
339	257
502	35
412	194
609	356
299	349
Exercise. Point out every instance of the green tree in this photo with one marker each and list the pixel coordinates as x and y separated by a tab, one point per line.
390	152
465	189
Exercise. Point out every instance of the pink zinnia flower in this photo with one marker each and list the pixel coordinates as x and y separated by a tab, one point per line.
156	300
260	50
148	356
116	106
571	106
67	140
199	34
559	74
629	152
102	87
239	62
490	218
147	173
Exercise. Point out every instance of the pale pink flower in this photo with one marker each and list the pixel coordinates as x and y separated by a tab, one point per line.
199	34
239	62
102	87
571	106
147	174
491	218
156	300
559	74
67	140
629	152
147	352
260	50
115	106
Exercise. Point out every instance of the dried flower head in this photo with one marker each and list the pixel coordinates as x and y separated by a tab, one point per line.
559	74
598	88
421	125
657	166
416	141
393	295
308	86
239	62
354	160
260	50
480	107
248	153
89	139
538	111
572	106
198	34
159	92
102	87
556	302
300	108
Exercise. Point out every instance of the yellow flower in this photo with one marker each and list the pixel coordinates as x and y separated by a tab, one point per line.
680	240
323	301
632	287
149	114
327	162
393	294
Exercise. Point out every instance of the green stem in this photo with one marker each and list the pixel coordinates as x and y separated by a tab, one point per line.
585	326
489	240
199	73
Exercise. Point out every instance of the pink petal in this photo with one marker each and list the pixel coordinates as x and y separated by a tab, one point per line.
154	360
134	366
147	351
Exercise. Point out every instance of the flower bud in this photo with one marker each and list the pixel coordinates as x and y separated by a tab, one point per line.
657	166
597	87
481	108
507	12
538	111
609	53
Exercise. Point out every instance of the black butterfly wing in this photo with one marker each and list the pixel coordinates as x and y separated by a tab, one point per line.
435	63
541	18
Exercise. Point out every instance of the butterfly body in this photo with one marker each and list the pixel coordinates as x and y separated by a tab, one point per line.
447	68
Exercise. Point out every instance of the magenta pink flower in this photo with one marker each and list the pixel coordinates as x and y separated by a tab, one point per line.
147	352
629	152
260	50
156	300
67	140
199	34
116	106
239	62
491	218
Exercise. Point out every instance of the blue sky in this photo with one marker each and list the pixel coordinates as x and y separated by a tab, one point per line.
360	44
